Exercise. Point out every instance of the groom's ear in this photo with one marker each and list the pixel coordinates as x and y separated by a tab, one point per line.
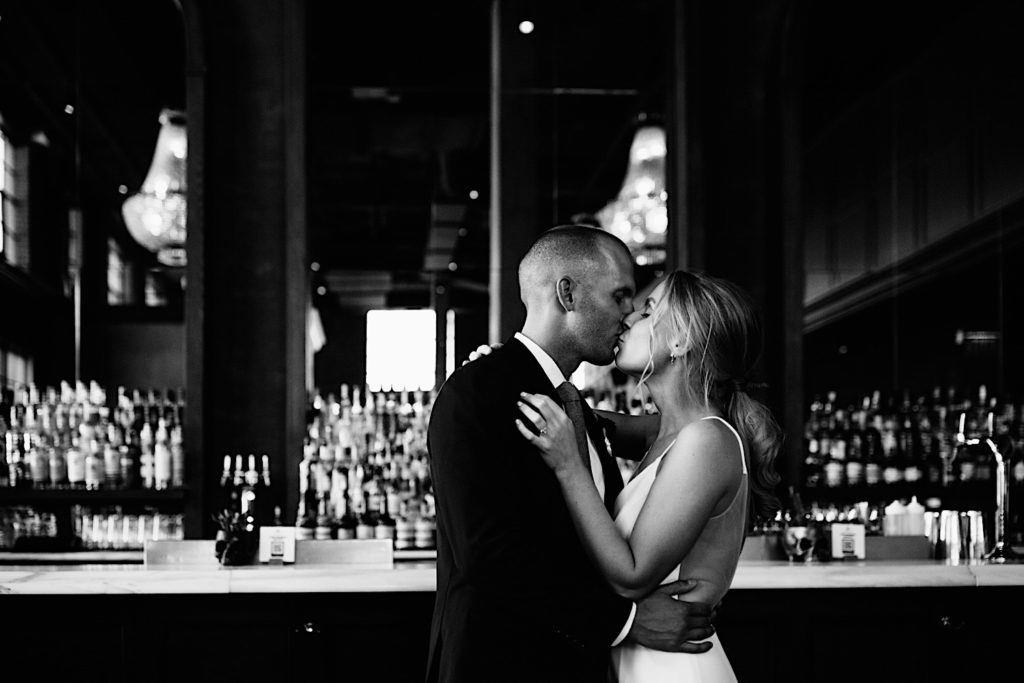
565	290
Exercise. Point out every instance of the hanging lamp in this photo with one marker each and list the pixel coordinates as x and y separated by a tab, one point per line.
638	215
155	216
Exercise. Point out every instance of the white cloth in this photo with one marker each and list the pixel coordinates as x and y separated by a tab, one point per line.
712	561
550	367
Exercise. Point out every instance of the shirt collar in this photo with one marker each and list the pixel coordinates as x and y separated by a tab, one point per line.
547	364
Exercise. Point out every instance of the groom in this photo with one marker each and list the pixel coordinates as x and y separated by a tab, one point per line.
517	598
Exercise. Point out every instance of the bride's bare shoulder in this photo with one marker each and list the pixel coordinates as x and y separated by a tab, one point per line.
707	440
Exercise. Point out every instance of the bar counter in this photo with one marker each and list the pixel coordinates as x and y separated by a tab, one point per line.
406	577
840	621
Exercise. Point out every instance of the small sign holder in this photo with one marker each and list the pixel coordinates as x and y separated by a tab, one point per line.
277	545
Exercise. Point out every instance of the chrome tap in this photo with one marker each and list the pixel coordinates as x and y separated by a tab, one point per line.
1002	552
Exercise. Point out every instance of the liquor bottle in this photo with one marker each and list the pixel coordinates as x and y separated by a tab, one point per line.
162	456
813	460
346	522
910	452
265	474
93	466
944	445
872	442
177	457
305	516
365	517
129	458
425	527
385	527
929	454
248	497
146	461
58	466
87	426
405	529
854	429
39	465
833	445
892	472
323	521
76	464
112	458
228	495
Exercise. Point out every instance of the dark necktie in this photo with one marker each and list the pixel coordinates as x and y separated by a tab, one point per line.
573	403
579	413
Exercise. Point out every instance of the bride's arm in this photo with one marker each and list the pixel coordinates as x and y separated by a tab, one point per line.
630	435
692	478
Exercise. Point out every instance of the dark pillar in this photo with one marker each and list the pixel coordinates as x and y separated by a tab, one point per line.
245	298
515	188
734	145
440	301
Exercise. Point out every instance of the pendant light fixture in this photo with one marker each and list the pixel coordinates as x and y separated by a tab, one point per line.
638	215
155	216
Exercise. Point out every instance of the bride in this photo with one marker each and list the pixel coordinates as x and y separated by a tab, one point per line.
708	467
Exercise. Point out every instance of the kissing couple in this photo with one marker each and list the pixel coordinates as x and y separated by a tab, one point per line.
549	568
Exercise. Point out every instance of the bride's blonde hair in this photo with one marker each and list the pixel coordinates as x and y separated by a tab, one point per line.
720	338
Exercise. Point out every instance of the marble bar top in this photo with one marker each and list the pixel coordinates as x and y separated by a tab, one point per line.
420	577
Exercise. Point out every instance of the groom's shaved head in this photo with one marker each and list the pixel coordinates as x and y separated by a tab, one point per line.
575	250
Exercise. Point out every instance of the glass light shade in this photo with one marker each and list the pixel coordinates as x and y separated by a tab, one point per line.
155	216
638	215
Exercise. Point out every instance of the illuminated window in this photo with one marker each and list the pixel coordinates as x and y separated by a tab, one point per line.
15	370
14	235
400	348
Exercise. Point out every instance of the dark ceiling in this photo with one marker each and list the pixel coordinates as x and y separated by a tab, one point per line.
398	111
399	129
398	117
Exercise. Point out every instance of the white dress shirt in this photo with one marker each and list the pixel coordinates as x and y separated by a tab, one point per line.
550	368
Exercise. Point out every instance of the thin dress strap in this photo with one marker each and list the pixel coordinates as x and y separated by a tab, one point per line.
743	455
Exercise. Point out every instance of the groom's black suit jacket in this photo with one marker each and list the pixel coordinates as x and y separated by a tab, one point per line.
517	598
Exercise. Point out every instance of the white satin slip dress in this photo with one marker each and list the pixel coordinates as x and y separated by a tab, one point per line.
712	561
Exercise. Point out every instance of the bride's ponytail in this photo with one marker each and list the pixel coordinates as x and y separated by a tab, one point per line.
763	438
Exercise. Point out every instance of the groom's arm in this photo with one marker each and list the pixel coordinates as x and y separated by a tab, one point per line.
665	623
629	435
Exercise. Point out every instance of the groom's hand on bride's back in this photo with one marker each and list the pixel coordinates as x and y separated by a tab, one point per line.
664	623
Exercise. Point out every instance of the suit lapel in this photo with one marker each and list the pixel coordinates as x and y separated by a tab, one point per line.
533	378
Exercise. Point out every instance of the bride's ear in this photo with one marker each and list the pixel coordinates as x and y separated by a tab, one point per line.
565	290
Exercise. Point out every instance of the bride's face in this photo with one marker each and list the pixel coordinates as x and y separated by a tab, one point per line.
634	350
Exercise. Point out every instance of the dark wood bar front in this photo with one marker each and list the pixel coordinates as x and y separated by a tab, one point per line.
880	621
